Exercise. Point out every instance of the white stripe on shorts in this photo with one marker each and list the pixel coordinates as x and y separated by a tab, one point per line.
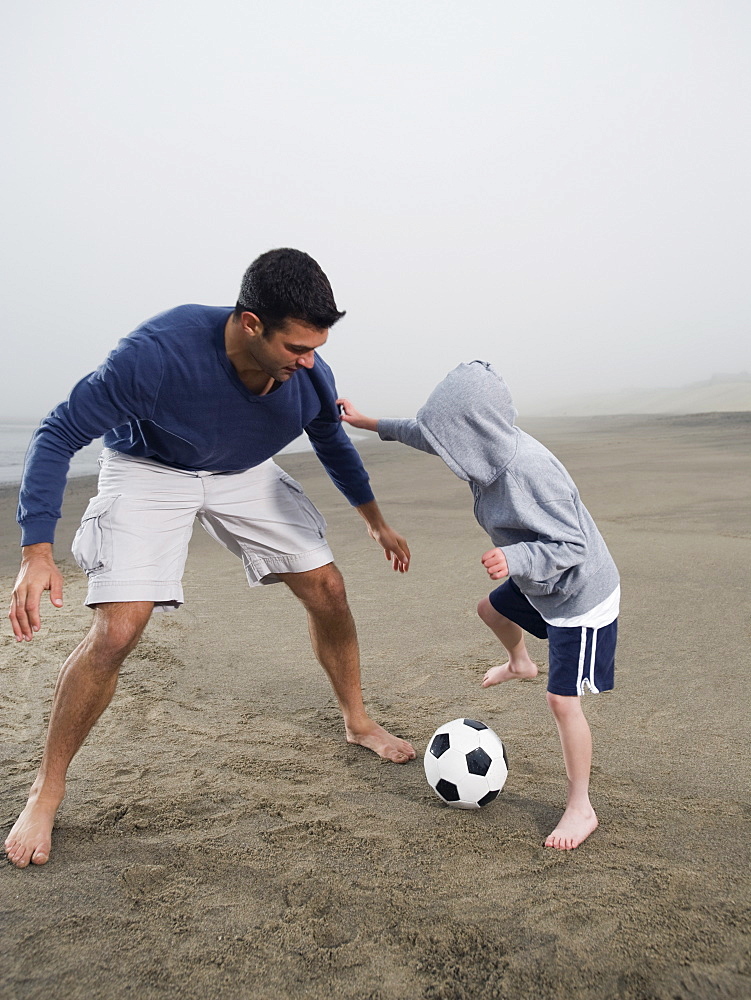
581	680
589	681
582	654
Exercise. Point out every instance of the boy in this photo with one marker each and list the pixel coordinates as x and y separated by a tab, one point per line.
562	584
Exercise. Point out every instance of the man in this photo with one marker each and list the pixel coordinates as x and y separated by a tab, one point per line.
193	405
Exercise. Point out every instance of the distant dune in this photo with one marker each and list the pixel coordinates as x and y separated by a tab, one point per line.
719	394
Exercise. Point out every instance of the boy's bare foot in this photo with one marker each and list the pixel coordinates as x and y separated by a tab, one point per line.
380	741
513	670
30	840
573	829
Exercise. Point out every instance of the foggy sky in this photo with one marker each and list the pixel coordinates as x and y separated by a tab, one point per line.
560	188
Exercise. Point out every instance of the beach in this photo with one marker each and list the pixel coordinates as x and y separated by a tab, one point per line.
219	839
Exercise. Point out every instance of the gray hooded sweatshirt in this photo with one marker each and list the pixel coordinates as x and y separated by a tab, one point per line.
524	498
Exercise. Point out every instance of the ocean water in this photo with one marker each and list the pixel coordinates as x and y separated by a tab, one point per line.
14	440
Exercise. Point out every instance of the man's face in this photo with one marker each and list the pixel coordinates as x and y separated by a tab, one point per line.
284	351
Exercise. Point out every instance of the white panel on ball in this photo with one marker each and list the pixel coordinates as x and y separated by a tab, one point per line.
465	764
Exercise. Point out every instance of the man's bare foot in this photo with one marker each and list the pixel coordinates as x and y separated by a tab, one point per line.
30	840
380	741
573	829
511	671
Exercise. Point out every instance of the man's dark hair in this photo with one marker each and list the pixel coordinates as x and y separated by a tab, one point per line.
285	283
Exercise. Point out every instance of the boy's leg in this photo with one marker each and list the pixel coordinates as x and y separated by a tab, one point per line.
579	819
511	636
579	658
84	689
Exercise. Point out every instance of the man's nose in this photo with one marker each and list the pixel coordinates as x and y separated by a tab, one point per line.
307	360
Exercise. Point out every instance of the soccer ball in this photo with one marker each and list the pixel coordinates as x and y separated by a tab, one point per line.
465	764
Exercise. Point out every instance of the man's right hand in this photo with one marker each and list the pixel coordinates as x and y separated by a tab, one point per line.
38	573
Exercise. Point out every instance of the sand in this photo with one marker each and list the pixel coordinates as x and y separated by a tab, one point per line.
219	839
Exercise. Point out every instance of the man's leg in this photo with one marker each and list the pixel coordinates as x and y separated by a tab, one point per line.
334	639
511	636
84	688
579	819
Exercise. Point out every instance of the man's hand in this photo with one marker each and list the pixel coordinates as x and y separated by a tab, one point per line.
495	563
352	416
394	546
38	573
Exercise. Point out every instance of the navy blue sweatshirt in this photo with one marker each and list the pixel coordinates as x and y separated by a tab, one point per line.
170	393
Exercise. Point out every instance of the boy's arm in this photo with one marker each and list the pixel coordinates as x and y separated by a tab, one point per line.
561	544
405	430
387	428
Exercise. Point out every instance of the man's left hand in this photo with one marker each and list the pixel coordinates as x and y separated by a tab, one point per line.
394	547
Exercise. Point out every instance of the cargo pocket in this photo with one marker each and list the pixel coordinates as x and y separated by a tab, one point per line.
92	546
309	509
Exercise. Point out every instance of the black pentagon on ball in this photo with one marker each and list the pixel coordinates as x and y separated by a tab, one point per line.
478	762
440	744
474	724
487	798
447	790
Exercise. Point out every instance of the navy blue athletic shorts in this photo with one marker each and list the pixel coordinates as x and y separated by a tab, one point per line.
579	657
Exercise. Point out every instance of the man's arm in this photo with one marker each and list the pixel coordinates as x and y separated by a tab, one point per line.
121	389
394	547
344	466
338	461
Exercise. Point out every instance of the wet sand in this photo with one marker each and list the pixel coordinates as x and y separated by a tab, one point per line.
219	838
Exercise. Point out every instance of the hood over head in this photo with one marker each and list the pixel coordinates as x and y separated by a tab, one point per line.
469	420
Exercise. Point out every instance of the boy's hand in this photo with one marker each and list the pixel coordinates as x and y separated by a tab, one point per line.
349	415
495	563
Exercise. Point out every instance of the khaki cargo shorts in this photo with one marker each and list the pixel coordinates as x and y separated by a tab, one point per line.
133	539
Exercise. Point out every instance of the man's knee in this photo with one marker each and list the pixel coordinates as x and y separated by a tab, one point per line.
321	590
117	629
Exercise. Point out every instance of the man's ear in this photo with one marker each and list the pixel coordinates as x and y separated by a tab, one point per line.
251	324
